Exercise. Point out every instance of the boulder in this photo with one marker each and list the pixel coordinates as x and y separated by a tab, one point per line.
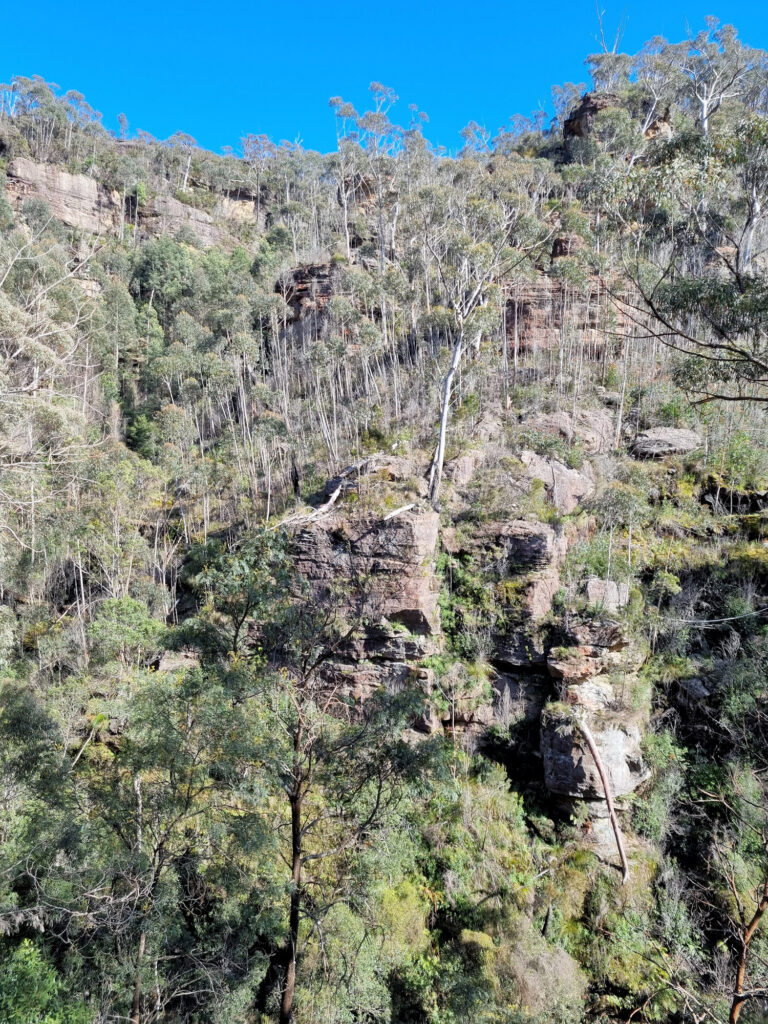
611	398
381	571
566	488
178	661
594	648
461	470
573	665
569	769
661	441
607	594
594	428
389	561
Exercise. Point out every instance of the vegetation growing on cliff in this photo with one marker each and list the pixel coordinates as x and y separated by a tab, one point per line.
214	803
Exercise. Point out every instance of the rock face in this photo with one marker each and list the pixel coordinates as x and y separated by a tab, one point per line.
661	128
567	245
726	500
240	209
178	661
383	571
167	216
597	674
74	199
661	441
544	312
525	557
582	119
607	594
80	202
594	428
568	767
566	488
307	290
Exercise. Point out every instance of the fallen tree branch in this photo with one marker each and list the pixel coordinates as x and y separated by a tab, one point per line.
592	746
399	511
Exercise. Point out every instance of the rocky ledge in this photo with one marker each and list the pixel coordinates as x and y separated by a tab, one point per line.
596	671
380	571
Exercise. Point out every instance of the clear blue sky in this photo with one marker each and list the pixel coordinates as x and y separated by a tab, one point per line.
220	70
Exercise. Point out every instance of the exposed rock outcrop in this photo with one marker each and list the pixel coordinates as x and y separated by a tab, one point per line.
567	245
167	216
581	121
730	501
660	128
74	199
594	428
307	290
394	469
381	571
178	661
525	556
597	674
566	488
570	771
607	594
82	203
661	441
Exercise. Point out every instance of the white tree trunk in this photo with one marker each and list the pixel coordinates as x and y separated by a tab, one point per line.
436	469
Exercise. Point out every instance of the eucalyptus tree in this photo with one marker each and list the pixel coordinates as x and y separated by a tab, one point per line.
382	141
134	833
715	66
336	770
470	234
257	151
344	166
691	229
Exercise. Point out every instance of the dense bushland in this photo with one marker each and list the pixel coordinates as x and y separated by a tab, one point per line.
191	827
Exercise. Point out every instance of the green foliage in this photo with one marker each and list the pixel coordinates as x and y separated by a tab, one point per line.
31	992
166	402
122	631
163	274
652	815
553	447
465	604
742	462
140	436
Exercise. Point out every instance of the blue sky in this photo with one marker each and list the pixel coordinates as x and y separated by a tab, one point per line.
221	70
